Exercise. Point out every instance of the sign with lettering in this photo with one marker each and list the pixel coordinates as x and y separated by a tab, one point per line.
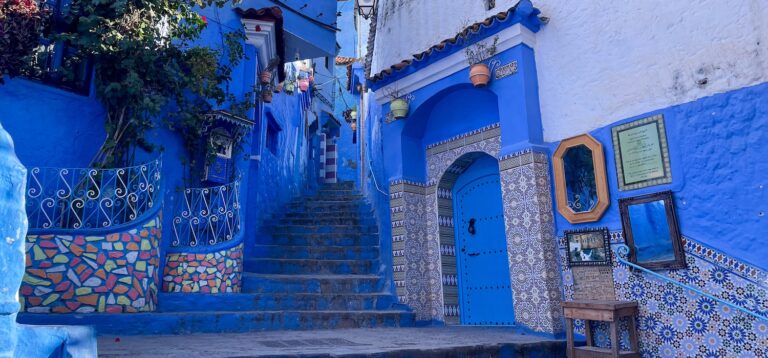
506	70
641	153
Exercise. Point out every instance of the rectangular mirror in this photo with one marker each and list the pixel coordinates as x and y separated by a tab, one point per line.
651	231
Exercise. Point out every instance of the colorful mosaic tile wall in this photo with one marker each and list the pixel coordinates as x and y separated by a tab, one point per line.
675	322
114	273
217	272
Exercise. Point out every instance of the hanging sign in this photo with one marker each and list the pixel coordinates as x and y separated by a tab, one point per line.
506	70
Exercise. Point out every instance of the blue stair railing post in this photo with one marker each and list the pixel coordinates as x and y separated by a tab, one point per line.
623	254
13	230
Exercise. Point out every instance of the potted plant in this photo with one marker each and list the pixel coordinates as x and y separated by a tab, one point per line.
266	74
479	72
266	95
398	105
353	113
303	84
289	86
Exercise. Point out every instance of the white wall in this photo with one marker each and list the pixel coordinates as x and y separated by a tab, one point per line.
600	61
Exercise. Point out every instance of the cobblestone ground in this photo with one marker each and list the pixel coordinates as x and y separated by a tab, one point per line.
392	342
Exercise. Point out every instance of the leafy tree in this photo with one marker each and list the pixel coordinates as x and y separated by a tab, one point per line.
148	67
21	24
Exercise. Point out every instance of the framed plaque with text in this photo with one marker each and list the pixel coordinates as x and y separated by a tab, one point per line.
641	153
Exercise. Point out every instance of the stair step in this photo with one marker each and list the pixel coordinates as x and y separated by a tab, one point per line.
321	220
317	252
330	215
221	321
181	302
308	266
320	229
339	185
261	283
319	239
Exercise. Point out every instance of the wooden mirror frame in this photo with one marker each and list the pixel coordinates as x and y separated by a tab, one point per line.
674	230
598	161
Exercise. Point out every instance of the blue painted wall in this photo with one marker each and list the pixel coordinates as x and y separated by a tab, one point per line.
717	147
51	127
451	106
376	187
348	164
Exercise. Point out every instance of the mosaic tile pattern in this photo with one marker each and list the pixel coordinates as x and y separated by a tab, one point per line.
115	273
216	272
675	322
531	245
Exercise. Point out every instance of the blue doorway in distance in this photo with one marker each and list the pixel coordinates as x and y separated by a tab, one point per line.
485	293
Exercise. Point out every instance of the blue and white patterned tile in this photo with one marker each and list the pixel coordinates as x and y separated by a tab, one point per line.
676	322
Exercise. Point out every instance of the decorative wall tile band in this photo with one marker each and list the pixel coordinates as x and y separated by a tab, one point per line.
490	131
216	272
676	322
522	158
529	225
114	273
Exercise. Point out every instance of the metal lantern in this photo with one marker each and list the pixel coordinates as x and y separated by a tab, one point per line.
366	8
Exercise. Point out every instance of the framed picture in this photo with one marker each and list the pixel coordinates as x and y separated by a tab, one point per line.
580	185
651	231
641	153
588	247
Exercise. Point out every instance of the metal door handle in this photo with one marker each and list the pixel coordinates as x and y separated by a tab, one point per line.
471	228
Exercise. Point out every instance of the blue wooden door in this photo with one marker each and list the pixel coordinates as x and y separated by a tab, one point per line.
483	266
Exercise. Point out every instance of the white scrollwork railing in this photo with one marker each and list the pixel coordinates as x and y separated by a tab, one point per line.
86	198
209	216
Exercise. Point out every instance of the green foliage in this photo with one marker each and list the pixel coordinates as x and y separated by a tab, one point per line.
147	67
21	24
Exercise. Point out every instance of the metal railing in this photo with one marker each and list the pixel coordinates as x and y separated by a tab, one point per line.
623	253
87	198
208	216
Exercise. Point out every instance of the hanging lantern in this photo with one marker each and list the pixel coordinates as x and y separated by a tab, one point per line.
366	8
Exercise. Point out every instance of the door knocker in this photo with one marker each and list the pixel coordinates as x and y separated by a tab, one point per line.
472	226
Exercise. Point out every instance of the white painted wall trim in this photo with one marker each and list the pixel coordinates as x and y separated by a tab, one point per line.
508	38
265	40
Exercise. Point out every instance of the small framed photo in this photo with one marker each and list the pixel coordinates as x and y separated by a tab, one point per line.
651	231
588	247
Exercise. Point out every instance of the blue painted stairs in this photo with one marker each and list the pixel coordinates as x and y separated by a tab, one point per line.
315	266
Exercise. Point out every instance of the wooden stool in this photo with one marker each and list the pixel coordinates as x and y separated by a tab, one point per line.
606	311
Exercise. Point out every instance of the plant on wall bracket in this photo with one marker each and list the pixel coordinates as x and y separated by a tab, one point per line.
399	103
477	53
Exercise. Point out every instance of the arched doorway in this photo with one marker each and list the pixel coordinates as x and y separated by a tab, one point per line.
485	293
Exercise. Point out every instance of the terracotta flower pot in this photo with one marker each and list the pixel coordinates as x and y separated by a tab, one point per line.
399	108
266	96
265	77
304	84
279	88
354	126
479	74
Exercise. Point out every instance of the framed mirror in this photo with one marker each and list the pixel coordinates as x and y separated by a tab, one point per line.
651	231
580	183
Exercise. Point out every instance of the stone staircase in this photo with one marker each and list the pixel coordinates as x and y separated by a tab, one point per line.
314	266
